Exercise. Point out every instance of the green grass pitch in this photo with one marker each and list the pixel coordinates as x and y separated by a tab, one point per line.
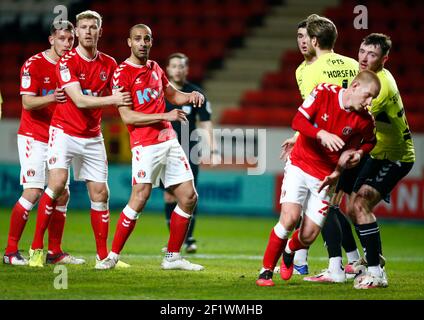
231	250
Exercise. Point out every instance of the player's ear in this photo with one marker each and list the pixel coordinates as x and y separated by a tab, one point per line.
100	32
51	40
129	42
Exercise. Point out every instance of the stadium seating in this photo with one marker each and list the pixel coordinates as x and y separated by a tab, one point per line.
401	20
203	29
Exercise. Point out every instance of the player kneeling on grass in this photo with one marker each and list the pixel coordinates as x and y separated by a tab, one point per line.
332	123
157	155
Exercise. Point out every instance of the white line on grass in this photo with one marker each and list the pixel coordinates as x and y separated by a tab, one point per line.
251	257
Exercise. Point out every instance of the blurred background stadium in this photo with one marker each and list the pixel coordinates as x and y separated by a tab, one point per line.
244	54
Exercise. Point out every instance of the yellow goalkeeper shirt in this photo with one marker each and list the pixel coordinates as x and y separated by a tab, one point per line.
394	140
330	67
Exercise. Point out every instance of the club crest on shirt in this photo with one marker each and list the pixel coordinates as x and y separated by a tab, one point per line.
52	160
103	76
30	173
141	174
325	117
347	131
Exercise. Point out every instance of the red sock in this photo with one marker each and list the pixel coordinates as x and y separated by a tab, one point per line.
18	220
56	227
100	225
273	250
294	243
44	213
177	229
123	230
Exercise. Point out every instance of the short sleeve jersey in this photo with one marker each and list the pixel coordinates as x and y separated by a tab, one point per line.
193	113
38	78
328	68
94	77
147	84
394	140
324	109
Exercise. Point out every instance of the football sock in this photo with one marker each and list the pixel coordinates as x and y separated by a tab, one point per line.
370	239
348	240
44	214
124	227
335	265
352	256
294	243
178	229
18	220
169	207
56	227
189	237
100	218
301	257
332	234
276	243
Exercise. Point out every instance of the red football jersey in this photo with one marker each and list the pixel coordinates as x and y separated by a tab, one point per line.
94	77
324	109
38	78
146	84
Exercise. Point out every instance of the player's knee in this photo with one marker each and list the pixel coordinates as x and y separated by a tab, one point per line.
360	208
306	238
189	200
32	194
64	198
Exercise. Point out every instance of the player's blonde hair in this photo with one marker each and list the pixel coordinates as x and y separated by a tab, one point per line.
368	76
89	14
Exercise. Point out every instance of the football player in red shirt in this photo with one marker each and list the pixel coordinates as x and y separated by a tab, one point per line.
84	73
39	98
157	154
336	130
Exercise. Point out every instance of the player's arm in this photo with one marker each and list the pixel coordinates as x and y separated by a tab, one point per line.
83	101
140	119
180	98
33	102
305	127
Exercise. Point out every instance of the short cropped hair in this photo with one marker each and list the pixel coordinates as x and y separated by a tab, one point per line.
323	29
379	39
90	14
301	24
61	25
368	76
178	55
141	26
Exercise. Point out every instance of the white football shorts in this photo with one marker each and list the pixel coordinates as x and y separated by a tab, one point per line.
164	161
302	188
87	155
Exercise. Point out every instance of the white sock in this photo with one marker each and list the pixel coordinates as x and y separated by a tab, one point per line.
352	256
335	265
301	257
375	271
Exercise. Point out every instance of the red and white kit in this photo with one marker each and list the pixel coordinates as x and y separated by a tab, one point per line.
38	78
75	133
157	153
310	162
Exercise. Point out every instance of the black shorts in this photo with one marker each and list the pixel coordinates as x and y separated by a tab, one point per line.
382	175
348	177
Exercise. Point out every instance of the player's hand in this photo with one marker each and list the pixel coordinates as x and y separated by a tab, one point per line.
196	99
176	115
330	180
59	95
349	159
121	98
330	141
286	147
